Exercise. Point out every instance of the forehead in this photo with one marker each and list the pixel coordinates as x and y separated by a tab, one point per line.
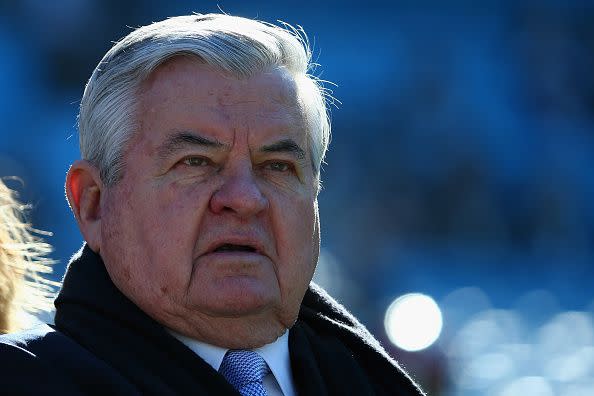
185	84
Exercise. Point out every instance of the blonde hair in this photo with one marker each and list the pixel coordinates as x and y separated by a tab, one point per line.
23	262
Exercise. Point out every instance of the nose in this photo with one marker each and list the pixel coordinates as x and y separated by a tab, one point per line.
239	194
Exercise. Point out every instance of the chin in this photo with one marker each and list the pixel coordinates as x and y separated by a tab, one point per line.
249	304
250	337
235	299
242	327
233	332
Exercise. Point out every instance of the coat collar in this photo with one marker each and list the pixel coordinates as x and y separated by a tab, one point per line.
91	309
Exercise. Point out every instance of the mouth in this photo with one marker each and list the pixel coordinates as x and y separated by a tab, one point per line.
234	254
230	247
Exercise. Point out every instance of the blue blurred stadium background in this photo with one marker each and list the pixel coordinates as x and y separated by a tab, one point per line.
460	165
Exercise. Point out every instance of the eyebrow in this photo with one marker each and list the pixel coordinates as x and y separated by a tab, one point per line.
180	140
284	146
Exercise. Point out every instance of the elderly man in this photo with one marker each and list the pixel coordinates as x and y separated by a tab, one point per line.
202	138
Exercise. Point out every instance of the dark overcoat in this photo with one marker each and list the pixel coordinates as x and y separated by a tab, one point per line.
103	344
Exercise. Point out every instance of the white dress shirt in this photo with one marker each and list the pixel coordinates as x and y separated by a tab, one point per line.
278	382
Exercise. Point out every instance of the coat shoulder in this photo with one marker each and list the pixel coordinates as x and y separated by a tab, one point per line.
43	359
27	362
29	340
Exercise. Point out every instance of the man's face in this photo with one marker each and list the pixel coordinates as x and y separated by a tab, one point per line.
213	229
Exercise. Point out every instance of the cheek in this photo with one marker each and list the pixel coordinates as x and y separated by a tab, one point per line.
120	249
170	224
297	236
152	234
173	211
115	222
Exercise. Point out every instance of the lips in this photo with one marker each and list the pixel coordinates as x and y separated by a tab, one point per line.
230	247
235	244
234	256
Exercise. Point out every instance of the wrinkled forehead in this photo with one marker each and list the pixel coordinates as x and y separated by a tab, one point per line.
275	84
275	90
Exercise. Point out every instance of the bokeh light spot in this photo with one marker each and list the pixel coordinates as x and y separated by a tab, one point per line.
413	322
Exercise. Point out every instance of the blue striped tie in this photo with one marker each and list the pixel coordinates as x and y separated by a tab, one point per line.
245	370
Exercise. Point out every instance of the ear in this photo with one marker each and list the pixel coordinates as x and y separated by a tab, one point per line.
83	190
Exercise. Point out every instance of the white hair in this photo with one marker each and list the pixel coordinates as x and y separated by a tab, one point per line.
237	46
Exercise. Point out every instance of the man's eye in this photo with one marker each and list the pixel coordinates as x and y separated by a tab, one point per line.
278	166
195	161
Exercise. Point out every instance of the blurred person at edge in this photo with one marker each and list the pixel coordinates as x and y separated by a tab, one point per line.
23	288
201	139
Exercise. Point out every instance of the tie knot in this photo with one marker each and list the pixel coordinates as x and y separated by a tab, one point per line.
243	368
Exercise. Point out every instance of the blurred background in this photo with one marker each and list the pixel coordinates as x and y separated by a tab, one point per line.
458	201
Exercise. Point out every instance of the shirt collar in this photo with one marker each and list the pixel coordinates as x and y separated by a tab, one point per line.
213	355
276	355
